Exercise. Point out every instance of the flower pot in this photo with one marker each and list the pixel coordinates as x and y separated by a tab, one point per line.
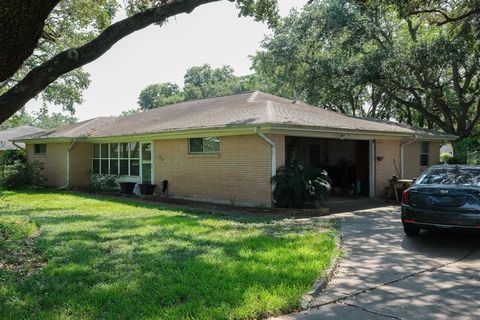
127	187
146	189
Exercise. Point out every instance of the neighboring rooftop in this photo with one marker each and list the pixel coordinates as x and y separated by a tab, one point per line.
245	109
14	133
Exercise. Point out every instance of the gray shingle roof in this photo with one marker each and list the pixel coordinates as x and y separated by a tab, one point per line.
14	133
245	109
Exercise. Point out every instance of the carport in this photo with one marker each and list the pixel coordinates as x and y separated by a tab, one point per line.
348	162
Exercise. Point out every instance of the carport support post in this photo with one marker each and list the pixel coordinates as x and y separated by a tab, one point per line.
274	152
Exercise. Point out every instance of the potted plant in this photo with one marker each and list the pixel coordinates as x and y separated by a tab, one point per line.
147	189
127	187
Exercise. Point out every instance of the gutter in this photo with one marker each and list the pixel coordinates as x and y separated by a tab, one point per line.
69	151
18	146
402	146
274	152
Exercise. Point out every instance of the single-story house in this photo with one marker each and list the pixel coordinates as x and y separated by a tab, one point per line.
7	135
226	149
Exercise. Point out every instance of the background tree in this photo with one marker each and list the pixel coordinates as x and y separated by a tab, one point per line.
41	119
199	82
158	95
361	58
57	38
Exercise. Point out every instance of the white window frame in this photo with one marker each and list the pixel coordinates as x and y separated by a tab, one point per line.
140	159
203	141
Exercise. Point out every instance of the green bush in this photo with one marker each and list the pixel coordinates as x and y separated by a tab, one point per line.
446	157
20	175
299	186
9	157
104	182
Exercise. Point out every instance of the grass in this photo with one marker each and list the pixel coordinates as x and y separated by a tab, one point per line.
74	256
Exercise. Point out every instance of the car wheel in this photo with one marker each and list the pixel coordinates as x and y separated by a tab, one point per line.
411	230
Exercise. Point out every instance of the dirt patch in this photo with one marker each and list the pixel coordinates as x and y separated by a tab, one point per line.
20	257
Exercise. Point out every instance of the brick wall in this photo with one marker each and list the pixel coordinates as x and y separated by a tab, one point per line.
385	169
411	158
81	164
239	174
54	161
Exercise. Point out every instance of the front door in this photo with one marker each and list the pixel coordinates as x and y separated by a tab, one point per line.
146	162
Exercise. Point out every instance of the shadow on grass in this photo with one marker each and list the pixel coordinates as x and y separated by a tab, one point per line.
145	261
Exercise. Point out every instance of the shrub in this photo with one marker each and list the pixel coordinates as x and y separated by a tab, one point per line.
446	157
9	157
298	186
104	182
20	175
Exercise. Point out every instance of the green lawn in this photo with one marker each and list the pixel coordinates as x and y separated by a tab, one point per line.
75	256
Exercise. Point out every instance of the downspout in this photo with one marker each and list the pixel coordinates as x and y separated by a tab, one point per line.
274	152
402	146
18	146
69	151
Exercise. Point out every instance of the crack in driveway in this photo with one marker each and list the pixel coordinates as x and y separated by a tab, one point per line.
414	274
369	311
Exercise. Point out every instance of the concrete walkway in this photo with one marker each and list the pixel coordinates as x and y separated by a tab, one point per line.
386	275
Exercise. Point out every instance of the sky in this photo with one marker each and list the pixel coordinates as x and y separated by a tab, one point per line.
212	34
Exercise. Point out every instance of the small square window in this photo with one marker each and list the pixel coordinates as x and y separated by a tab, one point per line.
40	148
204	145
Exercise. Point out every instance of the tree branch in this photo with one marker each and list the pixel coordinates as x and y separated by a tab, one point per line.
22	24
40	77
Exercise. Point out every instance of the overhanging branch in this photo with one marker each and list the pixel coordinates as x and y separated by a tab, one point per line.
40	77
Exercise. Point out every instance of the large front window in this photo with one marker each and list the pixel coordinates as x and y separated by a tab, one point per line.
123	158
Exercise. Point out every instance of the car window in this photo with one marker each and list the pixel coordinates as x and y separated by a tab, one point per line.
451	176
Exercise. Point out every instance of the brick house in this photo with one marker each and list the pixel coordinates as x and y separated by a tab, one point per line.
226	149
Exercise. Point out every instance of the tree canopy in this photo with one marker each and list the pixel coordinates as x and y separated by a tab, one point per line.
376	61
199	82
41	119
44	44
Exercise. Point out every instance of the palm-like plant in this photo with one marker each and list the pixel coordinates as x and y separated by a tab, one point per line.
297	185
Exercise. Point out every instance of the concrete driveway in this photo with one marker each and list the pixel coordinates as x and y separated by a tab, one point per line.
386	275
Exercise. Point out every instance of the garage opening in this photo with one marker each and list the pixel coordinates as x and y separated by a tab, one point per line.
346	161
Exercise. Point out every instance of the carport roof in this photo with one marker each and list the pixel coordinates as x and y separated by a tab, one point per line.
248	109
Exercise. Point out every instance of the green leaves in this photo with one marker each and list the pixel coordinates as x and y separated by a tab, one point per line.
298	185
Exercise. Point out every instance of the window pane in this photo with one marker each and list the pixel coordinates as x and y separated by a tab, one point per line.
96	166
40	148
211	144
96	150
104	166
124	167
134	152
424	147
113	150
147	172
134	167
114	166
196	145
124	150
451	176
146	152
424	160
104	150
